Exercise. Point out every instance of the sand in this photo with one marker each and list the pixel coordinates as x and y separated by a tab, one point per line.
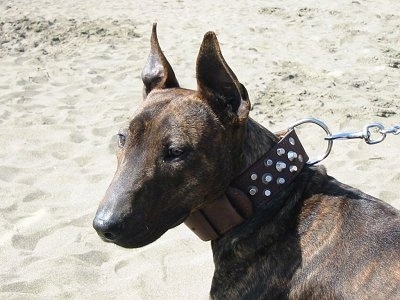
70	78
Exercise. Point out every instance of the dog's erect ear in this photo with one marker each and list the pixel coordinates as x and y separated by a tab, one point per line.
157	73
218	84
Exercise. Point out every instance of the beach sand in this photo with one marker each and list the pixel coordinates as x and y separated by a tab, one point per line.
70	78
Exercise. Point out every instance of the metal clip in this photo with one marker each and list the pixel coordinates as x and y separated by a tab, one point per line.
365	134
345	136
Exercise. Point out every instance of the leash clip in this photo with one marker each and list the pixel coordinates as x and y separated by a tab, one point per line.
372	133
367	133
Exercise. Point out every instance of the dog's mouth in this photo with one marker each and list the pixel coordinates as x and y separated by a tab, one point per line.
136	233
136	241
149	234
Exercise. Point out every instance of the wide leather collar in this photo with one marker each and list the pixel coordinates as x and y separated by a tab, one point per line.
260	183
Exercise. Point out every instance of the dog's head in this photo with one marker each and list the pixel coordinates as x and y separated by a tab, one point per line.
180	151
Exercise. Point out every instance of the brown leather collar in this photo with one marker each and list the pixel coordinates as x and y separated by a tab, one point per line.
259	183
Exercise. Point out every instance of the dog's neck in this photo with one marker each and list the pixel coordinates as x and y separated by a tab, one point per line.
271	163
272	218
258	140
265	169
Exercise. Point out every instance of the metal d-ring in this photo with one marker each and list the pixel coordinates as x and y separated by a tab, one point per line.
325	128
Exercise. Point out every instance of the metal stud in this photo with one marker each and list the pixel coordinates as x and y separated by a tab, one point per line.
253	176
267	178
268	162
253	190
292	155
300	157
280	180
280	165
293	169
280	151
291	141
267	193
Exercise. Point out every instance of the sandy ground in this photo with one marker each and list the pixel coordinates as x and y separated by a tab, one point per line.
70	77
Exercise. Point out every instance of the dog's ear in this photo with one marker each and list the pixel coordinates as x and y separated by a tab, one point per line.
218	84
157	73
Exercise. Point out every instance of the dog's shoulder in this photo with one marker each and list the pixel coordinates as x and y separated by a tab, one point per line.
325	189
354	236
329	199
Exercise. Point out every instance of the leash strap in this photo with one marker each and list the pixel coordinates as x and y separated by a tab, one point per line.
260	183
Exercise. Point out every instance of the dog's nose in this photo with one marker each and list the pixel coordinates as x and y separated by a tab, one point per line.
108	230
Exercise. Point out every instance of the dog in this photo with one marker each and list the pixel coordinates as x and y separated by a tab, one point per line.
189	156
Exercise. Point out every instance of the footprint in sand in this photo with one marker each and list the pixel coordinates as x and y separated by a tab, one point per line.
61	151
37	195
95	258
10	208
126	267
120	76
4	116
48	121
103	131
29	288
77	137
19	61
27	241
98	79
83	160
97	178
8	174
120	266
123	268
28	179
364	165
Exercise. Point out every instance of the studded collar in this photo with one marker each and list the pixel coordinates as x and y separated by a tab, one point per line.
274	171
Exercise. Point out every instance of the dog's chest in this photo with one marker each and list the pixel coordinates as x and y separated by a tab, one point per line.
264	274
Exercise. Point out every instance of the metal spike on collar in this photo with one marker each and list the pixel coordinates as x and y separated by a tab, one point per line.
267	178
253	190
280	165
280	180
280	151
292	155
268	162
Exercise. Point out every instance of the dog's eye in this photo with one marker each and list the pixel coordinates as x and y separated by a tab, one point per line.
174	153
121	140
122	137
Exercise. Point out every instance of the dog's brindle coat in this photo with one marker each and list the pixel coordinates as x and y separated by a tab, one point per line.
318	239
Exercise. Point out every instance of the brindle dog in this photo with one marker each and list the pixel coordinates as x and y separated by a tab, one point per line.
316	239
